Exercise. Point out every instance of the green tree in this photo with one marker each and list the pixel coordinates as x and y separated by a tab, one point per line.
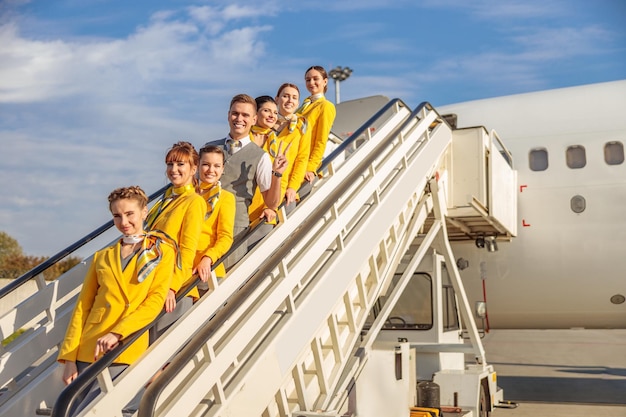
9	247
61	267
14	263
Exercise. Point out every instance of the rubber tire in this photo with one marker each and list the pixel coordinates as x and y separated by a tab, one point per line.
483	403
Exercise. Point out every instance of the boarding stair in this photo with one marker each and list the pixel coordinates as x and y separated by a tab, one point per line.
284	334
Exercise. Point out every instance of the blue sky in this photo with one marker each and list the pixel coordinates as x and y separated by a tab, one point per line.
92	93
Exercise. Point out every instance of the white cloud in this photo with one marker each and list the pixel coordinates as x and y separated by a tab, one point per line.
239	47
209	17
30	70
495	10
165	50
549	44
163	15
235	11
355	6
88	115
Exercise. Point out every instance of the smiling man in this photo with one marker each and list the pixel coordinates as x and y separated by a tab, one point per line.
247	167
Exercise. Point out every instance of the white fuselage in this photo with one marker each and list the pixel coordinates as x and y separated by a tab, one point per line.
563	268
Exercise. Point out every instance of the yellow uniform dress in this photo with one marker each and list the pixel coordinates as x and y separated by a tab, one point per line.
181	218
217	231
114	300
320	116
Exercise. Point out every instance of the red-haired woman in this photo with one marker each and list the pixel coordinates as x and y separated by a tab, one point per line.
180	214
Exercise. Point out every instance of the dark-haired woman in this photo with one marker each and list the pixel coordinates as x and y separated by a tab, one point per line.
320	115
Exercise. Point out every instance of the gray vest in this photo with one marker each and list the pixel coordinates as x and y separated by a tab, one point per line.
240	177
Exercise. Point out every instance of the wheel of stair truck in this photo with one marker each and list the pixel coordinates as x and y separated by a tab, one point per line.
483	410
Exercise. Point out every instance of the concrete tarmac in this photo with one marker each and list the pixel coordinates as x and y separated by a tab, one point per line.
559	373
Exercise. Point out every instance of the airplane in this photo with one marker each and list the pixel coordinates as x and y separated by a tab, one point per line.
565	267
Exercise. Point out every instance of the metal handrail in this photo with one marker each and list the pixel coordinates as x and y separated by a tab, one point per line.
64	402
506	154
69	394
24	278
66	399
147	406
354	136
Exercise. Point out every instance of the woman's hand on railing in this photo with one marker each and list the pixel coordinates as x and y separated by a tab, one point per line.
170	301
290	196
310	176
203	270
70	372
106	343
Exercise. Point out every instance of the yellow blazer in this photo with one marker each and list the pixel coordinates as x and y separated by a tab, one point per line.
297	158
320	116
217	231
182	220
297	155
112	300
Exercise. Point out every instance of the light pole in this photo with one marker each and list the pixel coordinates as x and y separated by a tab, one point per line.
339	74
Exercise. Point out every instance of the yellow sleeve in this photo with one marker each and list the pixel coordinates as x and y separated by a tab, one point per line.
225	227
152	304
301	159
192	220
69	348
255	209
321	125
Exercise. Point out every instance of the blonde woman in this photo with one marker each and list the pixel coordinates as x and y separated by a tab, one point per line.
136	269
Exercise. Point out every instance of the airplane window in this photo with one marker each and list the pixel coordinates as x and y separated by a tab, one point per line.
538	159
614	153
578	204
575	156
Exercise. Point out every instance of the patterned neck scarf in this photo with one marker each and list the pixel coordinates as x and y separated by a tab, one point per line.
151	253
211	193
292	119
307	101
171	194
270	139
